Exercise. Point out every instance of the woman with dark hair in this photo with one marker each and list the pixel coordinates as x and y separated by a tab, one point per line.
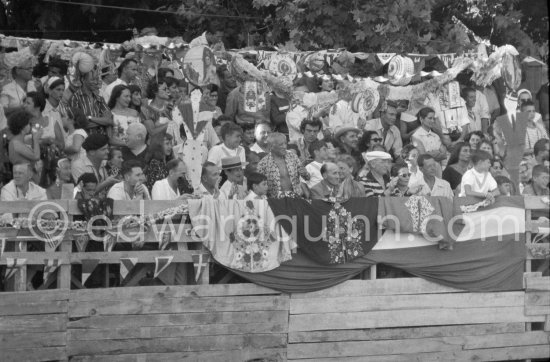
368	140
19	124
473	138
459	162
135	102
401	188
54	89
123	115
209	65
210	100
487	146
156	115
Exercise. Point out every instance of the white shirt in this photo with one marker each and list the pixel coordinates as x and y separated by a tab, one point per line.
12	95
109	89
479	182
225	190
314	169
12	193
294	118
253	196
440	188
118	192
220	151
428	139
163	191
256	148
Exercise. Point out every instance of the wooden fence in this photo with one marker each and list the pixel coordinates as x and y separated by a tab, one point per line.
403	319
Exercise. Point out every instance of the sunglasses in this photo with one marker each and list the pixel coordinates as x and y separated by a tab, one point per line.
376	139
405	175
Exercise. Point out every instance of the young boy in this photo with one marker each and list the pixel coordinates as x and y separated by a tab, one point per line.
231	134
539	185
318	151
478	181
504	185
86	186
257	184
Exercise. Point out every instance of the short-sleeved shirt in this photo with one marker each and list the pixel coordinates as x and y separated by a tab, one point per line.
392	141
84	165
440	188
220	151
118	192
428	139
91	104
372	187
480	182
163	191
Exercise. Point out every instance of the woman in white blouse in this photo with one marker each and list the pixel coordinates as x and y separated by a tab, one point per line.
123	115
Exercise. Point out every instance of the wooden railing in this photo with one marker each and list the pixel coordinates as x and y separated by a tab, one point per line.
182	250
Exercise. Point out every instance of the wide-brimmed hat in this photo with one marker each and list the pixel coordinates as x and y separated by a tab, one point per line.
232	162
376	155
343	130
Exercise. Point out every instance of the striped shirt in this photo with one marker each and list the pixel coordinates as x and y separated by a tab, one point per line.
372	187
92	105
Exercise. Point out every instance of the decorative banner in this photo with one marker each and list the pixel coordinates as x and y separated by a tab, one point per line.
81	242
282	65
161	263
12	264
199	66
88	267
126	265
385	57
52	243
251	96
50	265
447	59
164	240
198	265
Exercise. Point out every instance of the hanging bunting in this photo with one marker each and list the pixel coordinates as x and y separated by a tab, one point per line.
12	264
110	240
198	265
51	243
447	59
126	265
81	242
385	57
161	263
88	266
50	265
251	96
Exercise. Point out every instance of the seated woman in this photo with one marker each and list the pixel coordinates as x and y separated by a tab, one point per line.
399	183
123	115
458	164
348	186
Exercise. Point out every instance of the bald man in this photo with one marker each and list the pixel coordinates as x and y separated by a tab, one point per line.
329	185
136	148
282	168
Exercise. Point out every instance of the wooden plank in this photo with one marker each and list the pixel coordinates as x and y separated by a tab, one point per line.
260	354
489	354
395	302
535	203
537	310
408	346
540	283
409	318
35	354
24	207
8	298
404	333
189	344
537	298
49	307
189	319
173	291
274	326
378	287
178	305
37	258
144	256
29	323
32	340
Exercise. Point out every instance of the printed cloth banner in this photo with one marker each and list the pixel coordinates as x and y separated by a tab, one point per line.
330	233
240	234
479	261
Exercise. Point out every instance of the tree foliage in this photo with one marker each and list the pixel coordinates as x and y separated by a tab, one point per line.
423	26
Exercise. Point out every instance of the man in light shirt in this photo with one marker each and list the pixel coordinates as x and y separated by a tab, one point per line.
21	188
167	189
328	186
127	72
261	134
430	184
210	178
386	128
317	149
133	187
234	188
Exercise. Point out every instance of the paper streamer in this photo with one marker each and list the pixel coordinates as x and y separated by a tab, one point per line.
126	265
161	263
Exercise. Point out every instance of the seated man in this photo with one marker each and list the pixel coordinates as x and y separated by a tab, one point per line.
261	134
210	178
167	189
386	128
376	180
234	188
430	184
318	150
282	169
133	186
63	177
328	187
21	187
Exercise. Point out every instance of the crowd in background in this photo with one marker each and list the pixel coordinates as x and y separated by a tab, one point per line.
169	140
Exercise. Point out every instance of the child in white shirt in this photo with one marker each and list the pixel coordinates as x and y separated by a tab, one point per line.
257	184
478	181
